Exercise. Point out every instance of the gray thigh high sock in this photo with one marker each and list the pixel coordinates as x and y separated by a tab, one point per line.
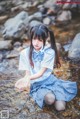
49	98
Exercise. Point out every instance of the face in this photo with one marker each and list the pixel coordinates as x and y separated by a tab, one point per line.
37	44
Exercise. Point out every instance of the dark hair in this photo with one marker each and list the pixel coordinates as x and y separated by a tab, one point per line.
42	32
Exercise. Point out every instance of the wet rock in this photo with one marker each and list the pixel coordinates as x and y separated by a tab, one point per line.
36	16
14	9
49	3
15	27
64	16
1	57
74	51
68	5
47	21
3	18
6	45
26	5
2	9
34	22
20	104
13	54
17	2
25	37
42	9
53	6
66	47
17	44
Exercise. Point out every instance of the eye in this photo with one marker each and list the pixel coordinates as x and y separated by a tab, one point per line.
41	40
33	39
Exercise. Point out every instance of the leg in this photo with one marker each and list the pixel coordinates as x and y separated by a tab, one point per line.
49	98
60	105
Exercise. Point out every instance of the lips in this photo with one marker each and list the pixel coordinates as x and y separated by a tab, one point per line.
36	46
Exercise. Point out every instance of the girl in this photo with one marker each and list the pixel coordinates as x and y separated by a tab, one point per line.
38	61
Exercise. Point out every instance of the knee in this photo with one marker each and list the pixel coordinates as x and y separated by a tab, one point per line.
49	98
60	105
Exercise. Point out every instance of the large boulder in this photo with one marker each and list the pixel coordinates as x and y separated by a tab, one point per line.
15	27
74	51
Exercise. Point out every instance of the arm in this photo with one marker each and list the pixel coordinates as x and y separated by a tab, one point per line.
39	74
27	73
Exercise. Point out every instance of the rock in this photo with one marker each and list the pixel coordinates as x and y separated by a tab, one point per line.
37	16
1	57
3	18
24	37
35	3
17	44
59	47
26	5
66	47
26	44
52	5
47	20
5	45
13	54
13	9
1	35
17	2
49	3
74	51
42	9
3	66
68	5
2	9
34	23
1	39
64	16
15	27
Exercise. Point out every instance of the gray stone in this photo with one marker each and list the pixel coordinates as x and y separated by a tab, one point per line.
68	5
74	51
13	54
15	27
36	16
5	44
3	18
1	57
34	23
47	21
64	16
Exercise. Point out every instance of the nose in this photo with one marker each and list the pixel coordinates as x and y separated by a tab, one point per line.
36	42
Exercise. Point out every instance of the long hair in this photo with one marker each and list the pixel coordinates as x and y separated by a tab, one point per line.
42	32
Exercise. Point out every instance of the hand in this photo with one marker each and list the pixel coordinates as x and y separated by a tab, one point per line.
23	84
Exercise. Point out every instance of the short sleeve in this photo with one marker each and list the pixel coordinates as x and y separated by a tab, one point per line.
24	60
48	60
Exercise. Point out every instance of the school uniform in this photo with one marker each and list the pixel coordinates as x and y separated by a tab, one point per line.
63	90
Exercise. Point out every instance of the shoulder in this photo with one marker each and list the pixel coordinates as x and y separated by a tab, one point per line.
48	50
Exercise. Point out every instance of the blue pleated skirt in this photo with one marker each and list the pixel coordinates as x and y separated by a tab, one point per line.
63	90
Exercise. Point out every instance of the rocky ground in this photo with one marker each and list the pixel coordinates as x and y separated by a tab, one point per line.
17	103
21	106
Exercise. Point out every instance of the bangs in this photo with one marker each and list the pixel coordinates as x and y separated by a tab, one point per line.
40	34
